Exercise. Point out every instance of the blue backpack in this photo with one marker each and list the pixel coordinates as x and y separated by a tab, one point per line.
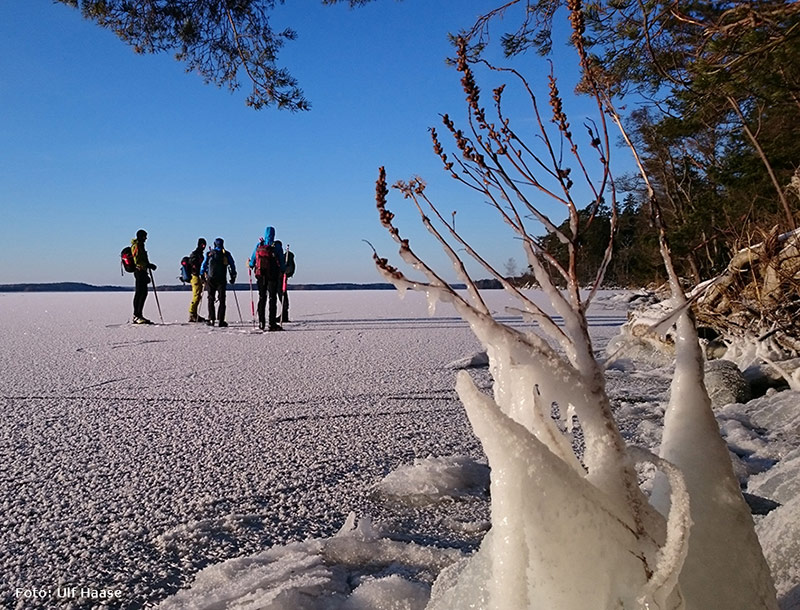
217	262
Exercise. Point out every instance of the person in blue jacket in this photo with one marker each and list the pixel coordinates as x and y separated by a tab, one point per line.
214	270
268	265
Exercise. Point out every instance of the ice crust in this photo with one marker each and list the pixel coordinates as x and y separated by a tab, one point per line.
225	461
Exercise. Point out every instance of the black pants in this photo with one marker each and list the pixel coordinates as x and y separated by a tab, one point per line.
268	290
140	293
216	289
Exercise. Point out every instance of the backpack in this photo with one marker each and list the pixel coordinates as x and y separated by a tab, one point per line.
217	261
290	266
186	271
126	259
267	261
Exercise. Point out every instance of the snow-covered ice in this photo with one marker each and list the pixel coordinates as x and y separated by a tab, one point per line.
330	466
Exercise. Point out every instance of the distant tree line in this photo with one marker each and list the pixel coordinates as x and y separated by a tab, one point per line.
636	260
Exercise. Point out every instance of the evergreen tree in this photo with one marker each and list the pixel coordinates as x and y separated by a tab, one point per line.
224	41
720	86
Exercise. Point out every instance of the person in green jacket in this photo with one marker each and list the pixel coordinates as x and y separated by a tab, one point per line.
141	276
195	262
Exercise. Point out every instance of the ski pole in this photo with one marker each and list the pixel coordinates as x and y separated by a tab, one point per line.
155	294
236	298
252	306
283	299
284	283
285	278
280	302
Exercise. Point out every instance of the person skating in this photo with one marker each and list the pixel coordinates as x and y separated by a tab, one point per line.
215	270
195	263
287	273
268	264
141	276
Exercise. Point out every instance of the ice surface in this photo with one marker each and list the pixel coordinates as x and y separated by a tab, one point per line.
152	459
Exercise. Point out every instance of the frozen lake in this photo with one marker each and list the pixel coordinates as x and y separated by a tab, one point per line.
135	455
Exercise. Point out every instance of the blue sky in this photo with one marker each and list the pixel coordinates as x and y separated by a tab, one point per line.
98	142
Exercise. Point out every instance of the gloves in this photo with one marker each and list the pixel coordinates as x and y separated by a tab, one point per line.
233	279
152	267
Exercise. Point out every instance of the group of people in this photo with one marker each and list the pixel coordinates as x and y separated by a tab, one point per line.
210	271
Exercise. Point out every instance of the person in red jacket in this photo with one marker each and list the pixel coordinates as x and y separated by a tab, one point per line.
268	265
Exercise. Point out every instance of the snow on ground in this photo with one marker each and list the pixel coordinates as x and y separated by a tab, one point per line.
328	466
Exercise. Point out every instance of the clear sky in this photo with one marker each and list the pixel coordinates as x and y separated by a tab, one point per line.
97	142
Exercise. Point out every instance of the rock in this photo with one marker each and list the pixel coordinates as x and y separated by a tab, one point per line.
476	361
764	376
759	505
643	298
715	349
725	383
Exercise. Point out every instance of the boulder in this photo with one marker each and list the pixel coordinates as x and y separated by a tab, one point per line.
725	383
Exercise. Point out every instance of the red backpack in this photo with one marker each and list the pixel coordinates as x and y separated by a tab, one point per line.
126	259
266	261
